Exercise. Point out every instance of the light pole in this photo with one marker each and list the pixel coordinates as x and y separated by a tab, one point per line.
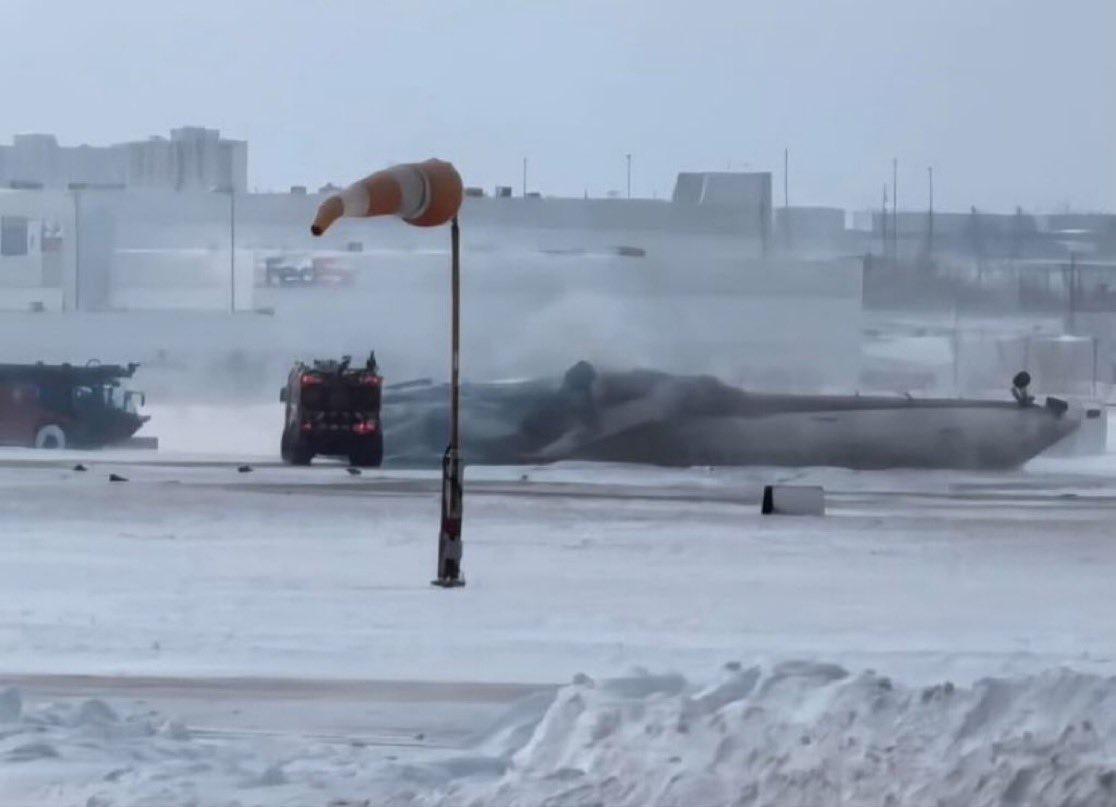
629	159
231	191
426	194
930	216
885	241
895	205
786	197
232	250
76	188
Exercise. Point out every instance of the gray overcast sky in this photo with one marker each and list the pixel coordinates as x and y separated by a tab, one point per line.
1012	101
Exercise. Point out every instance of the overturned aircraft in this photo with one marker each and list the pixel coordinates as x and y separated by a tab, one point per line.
652	417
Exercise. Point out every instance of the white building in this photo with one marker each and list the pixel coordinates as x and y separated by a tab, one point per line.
37	258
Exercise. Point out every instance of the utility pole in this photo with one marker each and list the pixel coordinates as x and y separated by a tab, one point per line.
629	158
524	177
766	203
1071	325
232	250
885	242
76	189
977	242
895	204
786	196
930	217
231	191
786	178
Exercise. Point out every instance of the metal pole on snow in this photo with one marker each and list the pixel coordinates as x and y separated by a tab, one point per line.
449	536
426	194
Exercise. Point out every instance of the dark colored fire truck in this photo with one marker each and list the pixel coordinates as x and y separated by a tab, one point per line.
333	409
67	406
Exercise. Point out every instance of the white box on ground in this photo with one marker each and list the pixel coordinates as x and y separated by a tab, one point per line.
1088	439
793	500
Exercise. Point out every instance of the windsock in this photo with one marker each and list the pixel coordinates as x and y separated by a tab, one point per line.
425	194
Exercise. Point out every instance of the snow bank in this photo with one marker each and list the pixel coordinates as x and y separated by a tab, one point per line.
811	734
795	735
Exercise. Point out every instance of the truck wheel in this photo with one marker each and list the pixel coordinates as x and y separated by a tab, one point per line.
50	436
301	456
297	455
370	455
292	452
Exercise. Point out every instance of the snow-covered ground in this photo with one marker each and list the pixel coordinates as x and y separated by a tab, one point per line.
795	733
271	637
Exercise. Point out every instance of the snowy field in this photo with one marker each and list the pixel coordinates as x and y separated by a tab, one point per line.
200	635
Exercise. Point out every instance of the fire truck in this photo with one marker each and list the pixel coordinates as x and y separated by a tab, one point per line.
333	409
68	406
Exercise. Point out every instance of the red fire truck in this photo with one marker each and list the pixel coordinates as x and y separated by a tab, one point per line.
333	409
67	406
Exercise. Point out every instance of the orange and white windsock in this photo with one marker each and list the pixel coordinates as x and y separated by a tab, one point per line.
425	194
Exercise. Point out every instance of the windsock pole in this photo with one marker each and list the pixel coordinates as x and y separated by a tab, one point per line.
453	483
455	334
426	194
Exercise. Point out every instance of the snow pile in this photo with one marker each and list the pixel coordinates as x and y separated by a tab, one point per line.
91	753
811	734
58	741
795	735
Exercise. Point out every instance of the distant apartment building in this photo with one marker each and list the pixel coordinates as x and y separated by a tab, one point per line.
193	158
